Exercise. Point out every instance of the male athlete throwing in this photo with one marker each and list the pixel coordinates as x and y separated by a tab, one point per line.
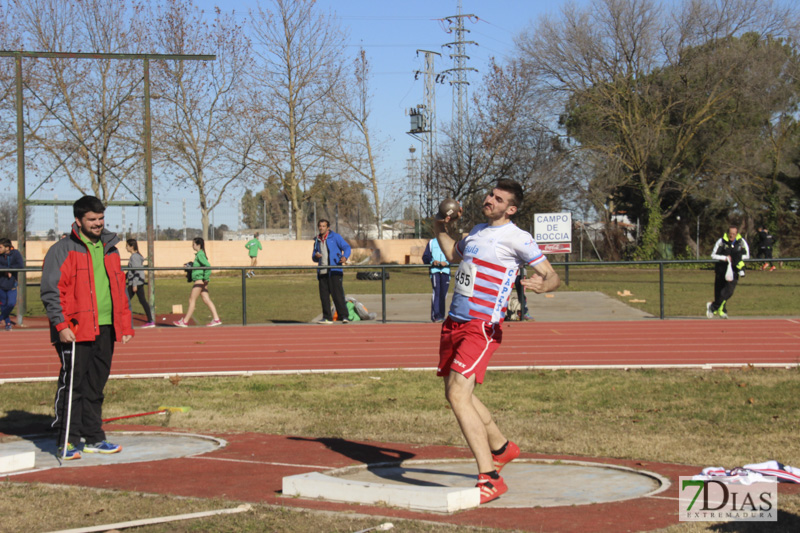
489	257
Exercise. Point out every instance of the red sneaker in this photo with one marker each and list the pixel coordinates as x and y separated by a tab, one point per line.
511	453
491	489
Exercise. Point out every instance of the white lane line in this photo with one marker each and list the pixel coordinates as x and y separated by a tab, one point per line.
210	373
317	467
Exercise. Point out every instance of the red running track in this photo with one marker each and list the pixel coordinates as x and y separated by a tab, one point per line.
27	354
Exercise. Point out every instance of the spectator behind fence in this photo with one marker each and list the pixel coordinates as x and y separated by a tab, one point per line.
521	312
253	246
200	279
440	278
135	280
764	243
330	249
9	258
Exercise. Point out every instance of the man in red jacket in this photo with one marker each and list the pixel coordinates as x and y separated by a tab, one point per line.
83	291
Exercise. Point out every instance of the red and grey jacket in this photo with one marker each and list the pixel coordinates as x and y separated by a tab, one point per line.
67	288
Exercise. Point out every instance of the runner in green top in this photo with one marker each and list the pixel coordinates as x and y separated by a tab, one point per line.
200	279
253	246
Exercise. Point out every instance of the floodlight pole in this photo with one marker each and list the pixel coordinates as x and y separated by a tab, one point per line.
23	283
148	174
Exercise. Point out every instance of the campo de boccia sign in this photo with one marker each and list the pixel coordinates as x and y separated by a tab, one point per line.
553	228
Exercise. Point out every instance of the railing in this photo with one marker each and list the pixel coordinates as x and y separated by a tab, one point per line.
384	268
660	263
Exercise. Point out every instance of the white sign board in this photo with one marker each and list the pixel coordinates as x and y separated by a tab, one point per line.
552	227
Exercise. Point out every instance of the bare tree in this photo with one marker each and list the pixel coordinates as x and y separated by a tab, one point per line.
201	140
353	147
300	61
8	218
89	116
10	39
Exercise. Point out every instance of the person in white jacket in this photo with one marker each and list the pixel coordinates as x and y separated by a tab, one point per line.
731	250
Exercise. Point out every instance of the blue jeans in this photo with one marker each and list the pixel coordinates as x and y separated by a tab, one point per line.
8	299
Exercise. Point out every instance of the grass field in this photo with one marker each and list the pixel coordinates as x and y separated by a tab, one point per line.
724	417
292	296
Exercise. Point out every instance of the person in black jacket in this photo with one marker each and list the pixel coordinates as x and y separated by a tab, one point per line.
764	242
731	250
9	258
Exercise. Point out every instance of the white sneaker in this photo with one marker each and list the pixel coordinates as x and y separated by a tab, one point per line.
214	323
709	312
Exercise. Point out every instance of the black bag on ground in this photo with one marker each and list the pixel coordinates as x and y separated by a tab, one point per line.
375	275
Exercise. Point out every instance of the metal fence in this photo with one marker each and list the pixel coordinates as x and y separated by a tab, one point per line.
660	264
384	269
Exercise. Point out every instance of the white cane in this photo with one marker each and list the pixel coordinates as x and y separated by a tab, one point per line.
69	396
69	400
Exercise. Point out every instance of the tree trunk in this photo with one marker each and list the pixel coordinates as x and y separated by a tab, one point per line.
651	235
298	220
204	218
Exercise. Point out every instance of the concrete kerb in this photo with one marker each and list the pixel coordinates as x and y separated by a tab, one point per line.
138	446
419	485
316	485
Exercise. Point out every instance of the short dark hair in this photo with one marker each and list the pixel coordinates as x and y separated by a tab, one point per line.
5	241
87	204
512	187
327	223
133	244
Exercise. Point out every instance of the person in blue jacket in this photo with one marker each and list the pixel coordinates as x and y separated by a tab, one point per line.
330	249
9	258
440	278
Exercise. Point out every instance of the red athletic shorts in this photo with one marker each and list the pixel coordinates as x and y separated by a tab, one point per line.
467	347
